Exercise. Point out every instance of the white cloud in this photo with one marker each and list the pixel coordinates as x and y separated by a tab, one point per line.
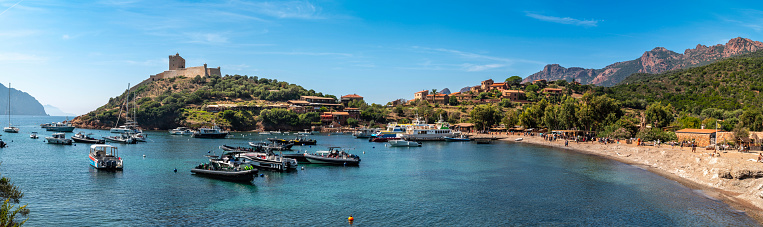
207	38
65	36
289	9
563	20
476	68
20	57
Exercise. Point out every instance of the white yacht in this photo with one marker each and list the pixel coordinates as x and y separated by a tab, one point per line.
214	133
419	131
181	131
59	138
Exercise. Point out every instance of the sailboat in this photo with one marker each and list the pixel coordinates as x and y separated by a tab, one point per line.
10	127
129	126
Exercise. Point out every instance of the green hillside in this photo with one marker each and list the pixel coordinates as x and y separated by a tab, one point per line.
169	103
729	84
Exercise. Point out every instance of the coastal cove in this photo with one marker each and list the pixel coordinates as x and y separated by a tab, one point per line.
458	183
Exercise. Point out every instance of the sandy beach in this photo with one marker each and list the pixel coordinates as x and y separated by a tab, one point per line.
734	177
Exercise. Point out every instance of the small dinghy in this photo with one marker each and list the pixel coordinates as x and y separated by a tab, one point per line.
518	139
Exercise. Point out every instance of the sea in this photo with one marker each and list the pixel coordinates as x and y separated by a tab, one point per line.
438	184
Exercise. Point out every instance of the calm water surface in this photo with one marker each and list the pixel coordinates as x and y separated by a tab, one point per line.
456	184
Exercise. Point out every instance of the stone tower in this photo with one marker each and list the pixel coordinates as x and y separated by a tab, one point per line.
177	62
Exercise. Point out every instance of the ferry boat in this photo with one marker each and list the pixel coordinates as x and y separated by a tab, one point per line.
333	156
214	133
105	157
419	131
59	138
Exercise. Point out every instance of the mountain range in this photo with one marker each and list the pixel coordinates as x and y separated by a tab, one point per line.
23	103
655	61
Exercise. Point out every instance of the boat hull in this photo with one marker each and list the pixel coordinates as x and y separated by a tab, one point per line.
449	139
105	164
60	129
317	159
58	141
86	140
404	143
236	176
11	129
210	135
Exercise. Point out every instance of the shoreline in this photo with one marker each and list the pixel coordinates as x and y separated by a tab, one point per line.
698	171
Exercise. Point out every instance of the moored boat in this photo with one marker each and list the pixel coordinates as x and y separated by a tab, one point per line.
121	138
65	126
33	135
268	160
404	143
105	157
272	146
461	138
82	138
333	156
10	128
365	133
226	168
2	144
59	138
212	133
181	131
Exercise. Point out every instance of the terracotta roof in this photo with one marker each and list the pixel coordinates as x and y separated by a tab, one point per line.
455	93
298	102
698	131
437	95
336	113
515	91
316	97
552	89
352	96
423	91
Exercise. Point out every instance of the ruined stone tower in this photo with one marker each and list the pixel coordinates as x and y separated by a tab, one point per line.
176	62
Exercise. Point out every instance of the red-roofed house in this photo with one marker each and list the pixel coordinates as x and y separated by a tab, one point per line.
340	117
552	91
348	98
420	95
513	95
441	99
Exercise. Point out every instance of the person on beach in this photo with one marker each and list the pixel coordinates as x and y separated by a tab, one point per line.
760	157
693	147
567	143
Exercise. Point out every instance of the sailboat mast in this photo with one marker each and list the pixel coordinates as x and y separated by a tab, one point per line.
127	102
9	104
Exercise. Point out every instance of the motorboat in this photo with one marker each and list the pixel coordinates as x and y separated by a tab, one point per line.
272	146
333	156
226	168
267	160
2	144
296	141
482	140
181	131
461	138
138	137
404	143
213	133
59	138
65	126
105	157
82	138
518	139
33	135
305	133
121	138
384	138
365	133
245	149
10	128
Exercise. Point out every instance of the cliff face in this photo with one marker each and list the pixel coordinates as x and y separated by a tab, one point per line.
657	60
23	103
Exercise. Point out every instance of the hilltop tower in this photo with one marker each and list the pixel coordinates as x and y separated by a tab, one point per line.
177	62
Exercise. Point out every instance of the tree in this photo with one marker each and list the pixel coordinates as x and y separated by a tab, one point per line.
511	118
453	101
657	113
434	91
550	117
12	194
484	116
568	113
352	122
514	81
505	103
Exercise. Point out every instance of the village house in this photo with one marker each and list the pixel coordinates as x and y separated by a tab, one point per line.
463	97
513	95
421	95
353	112
702	137
348	98
552	91
339	117
441	99
313	104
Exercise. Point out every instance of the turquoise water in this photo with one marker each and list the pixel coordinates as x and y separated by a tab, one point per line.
454	184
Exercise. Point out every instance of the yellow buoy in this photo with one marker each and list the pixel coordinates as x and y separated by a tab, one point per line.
350	219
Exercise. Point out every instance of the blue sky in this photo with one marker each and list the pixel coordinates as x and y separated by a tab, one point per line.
75	55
